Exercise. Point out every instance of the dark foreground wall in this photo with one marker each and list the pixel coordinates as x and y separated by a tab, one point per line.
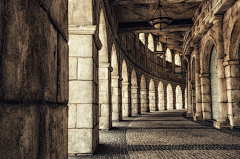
33	79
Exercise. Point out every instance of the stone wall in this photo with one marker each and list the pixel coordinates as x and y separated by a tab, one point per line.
34	79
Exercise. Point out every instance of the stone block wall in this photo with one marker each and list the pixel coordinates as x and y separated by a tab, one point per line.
34	79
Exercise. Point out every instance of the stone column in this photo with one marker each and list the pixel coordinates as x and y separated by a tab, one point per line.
189	86
152	101
105	105
33	79
116	98
83	124
144	105
126	101
198	115
134	99
206	96
222	86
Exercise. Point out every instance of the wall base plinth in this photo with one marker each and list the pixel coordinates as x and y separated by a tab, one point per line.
221	125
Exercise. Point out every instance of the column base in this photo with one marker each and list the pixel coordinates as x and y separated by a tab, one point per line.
221	125
189	115
197	118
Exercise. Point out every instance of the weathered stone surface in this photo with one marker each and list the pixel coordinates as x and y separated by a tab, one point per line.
57	12
30	50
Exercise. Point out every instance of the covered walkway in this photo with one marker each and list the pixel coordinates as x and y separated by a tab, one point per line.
166	134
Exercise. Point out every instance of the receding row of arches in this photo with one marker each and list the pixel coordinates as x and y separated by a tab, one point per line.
159	47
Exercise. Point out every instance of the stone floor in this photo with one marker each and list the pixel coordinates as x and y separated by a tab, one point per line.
166	134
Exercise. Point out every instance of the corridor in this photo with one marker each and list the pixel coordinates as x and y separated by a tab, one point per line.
166	134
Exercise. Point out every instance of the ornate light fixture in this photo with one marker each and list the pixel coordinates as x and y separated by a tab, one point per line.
160	22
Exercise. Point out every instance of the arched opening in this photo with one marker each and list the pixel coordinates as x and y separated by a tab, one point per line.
150	42
177	60
116	106
142	37
214	83
105	119
134	94
159	48
143	95
168	55
179	98
169	97
125	93
193	87
160	96
152	96
185	98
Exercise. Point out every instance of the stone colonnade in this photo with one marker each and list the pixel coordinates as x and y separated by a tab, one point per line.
223	35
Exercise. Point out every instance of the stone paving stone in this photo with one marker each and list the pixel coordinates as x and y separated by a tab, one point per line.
166	134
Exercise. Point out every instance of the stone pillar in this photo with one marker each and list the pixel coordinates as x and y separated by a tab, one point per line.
144	105
116	98
206	96
189	108
33	79
135	100
198	115
222	86
152	101
126	103
105	106
83	124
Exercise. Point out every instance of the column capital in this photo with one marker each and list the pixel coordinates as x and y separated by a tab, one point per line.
218	18
204	75
106	65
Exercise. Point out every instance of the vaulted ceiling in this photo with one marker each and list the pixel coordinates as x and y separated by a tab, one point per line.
134	15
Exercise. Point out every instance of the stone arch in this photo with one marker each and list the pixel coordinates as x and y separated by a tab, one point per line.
160	96
150	42
134	78
152	96
233	53
103	53
234	57
186	98
168	55
193	83
179	98
115	81
143	84
104	78
114	61
206	84
142	37
126	108
177	60
169	97
214	83
124	71
134	94
143	95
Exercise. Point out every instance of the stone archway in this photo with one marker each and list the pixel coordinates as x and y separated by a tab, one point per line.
214	83
143	95
105	114
126	109
169	97
160	96
115	84
179	98
134	94
152	96
186	104
206	81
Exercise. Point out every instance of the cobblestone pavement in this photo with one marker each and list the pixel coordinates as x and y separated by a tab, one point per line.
167	134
